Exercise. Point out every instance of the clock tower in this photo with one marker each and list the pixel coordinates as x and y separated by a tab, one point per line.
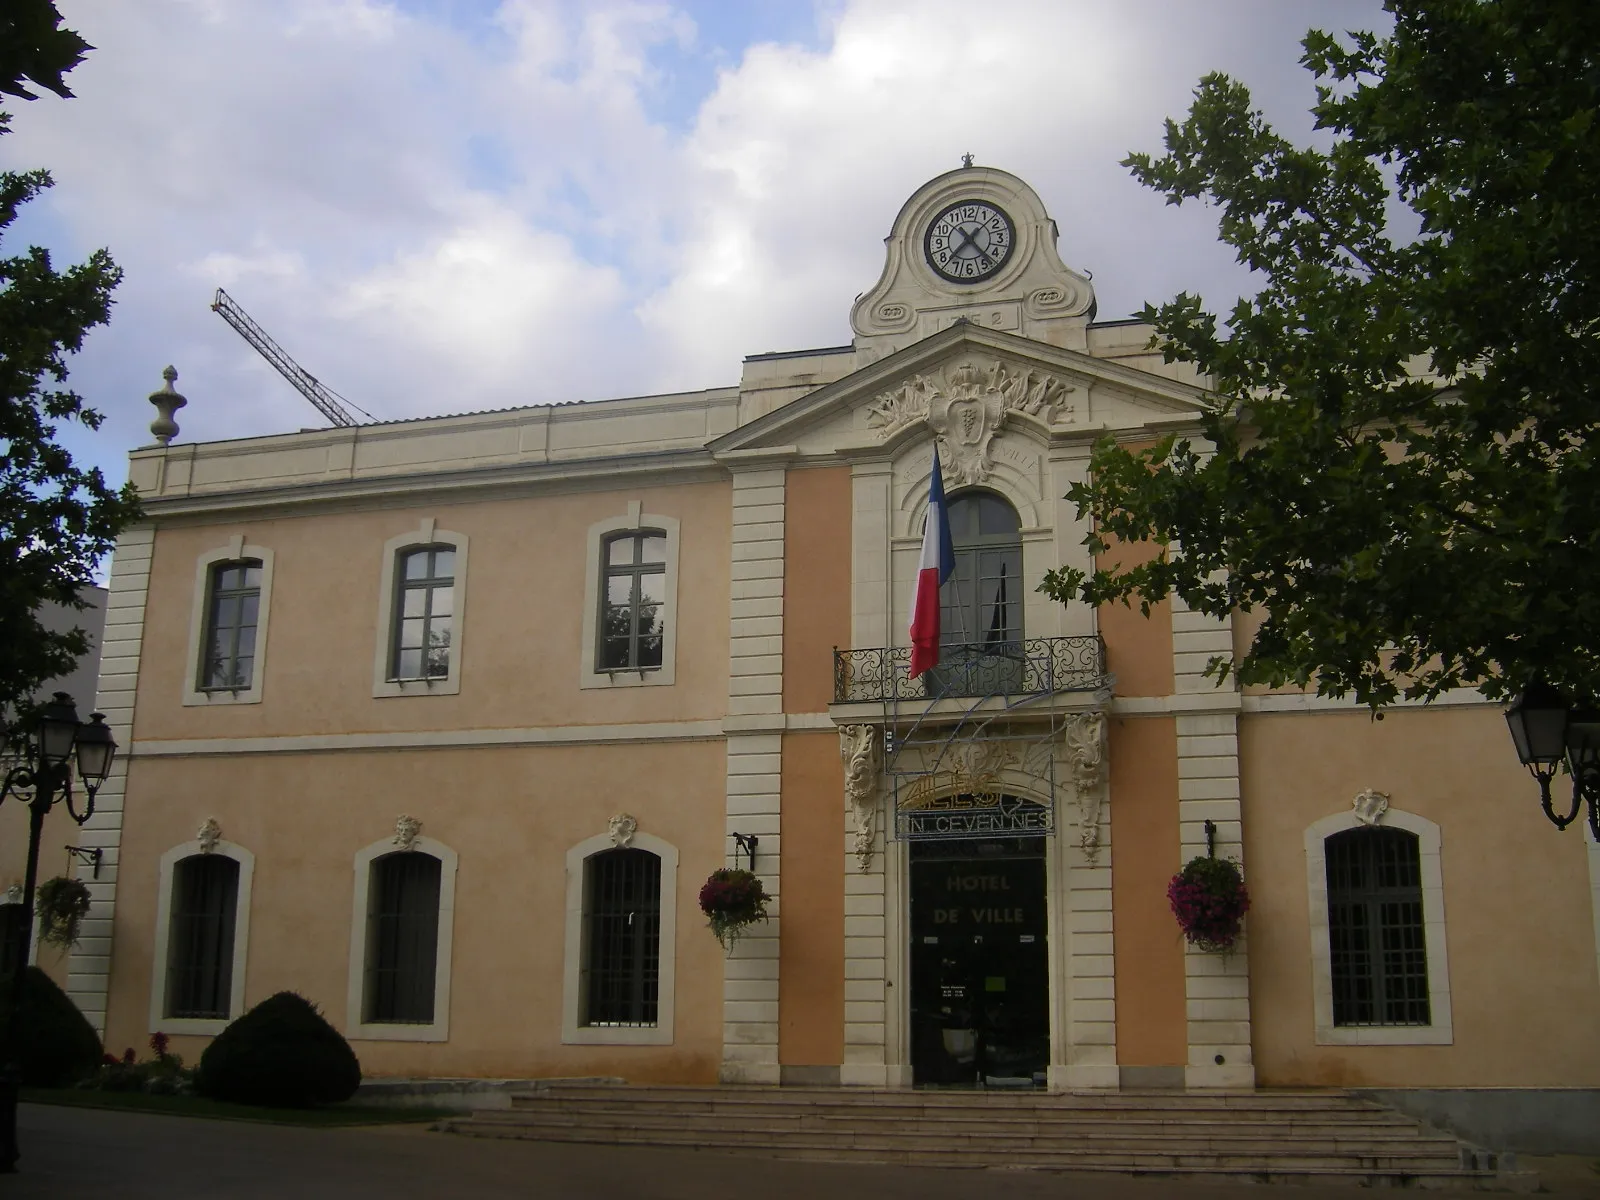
974	244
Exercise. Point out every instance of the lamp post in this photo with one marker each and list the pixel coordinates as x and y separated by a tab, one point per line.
41	777
1551	732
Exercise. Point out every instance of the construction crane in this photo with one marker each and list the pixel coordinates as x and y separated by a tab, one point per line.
329	403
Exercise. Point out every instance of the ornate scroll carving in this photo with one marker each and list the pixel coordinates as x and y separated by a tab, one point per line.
622	827
208	835
858	750
1369	806
966	405
406	829
1085	740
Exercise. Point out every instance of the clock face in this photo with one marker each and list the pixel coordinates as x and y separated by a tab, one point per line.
969	241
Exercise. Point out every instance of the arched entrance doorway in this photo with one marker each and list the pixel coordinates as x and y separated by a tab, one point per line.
980	985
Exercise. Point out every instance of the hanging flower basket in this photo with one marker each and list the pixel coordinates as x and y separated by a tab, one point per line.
1209	899
61	905
733	898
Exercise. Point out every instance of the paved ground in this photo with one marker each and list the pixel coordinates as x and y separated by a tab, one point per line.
71	1152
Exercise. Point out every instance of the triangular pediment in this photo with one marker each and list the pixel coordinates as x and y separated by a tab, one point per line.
964	384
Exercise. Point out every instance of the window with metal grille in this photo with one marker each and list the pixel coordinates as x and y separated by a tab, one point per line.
633	601
622	960
205	897
1376	946
424	614
228	656
402	938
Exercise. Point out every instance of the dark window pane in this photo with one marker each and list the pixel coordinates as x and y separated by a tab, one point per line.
622	947
205	892
402	938
1376	938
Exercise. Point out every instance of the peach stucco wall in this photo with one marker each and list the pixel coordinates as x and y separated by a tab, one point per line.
1138	647
811	958
816	603
1518	914
1151	1022
510	813
519	637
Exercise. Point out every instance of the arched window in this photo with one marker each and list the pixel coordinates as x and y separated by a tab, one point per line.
402	939
1380	968
205	903
621	980
980	605
202	937
1377	951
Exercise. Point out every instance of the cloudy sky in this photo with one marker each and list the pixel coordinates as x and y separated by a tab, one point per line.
449	205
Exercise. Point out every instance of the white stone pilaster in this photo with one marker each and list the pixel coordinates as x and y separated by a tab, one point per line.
89	965
755	752
1083	958
1217	986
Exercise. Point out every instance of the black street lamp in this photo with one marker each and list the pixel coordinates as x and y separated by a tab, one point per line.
41	777
1550	732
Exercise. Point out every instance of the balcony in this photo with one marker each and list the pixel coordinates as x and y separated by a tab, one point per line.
1034	667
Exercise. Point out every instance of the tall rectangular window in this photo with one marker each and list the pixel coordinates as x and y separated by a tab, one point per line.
205	899
633	601
1376	946
424	614
623	952
228	655
402	938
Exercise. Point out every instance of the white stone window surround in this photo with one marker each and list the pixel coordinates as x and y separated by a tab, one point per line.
634	521
439	1029
573	1032
1441	1031
200	615
159	1022
426	534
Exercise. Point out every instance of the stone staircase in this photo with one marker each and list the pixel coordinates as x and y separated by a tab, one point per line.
1266	1136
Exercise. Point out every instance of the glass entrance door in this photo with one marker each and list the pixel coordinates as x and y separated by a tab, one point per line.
980	987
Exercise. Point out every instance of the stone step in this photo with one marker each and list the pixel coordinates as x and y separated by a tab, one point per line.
1071	1119
954	1098
994	1142
1083	1126
1130	1160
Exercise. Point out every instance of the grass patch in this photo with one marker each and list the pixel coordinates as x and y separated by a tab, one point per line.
221	1110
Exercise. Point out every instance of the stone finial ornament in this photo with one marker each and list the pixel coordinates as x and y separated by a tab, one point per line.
1369	806
208	835
167	402
858	750
622	827
406	829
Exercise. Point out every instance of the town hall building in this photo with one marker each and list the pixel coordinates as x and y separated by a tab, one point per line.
444	724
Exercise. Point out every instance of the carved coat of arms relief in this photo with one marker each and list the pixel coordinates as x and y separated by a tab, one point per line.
966	405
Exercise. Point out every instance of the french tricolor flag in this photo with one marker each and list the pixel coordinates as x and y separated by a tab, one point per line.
938	561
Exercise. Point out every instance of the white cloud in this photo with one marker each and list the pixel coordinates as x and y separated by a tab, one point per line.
440	219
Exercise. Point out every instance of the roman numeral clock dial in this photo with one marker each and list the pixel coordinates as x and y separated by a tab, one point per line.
969	241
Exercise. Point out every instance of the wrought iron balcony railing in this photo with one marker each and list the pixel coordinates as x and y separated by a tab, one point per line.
1036	666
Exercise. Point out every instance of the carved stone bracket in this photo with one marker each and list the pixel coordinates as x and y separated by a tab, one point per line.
1085	743
1369	806
858	750
406	829
208	835
966	406
622	827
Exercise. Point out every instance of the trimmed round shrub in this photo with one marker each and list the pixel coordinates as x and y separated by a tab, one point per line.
56	1045
283	1054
